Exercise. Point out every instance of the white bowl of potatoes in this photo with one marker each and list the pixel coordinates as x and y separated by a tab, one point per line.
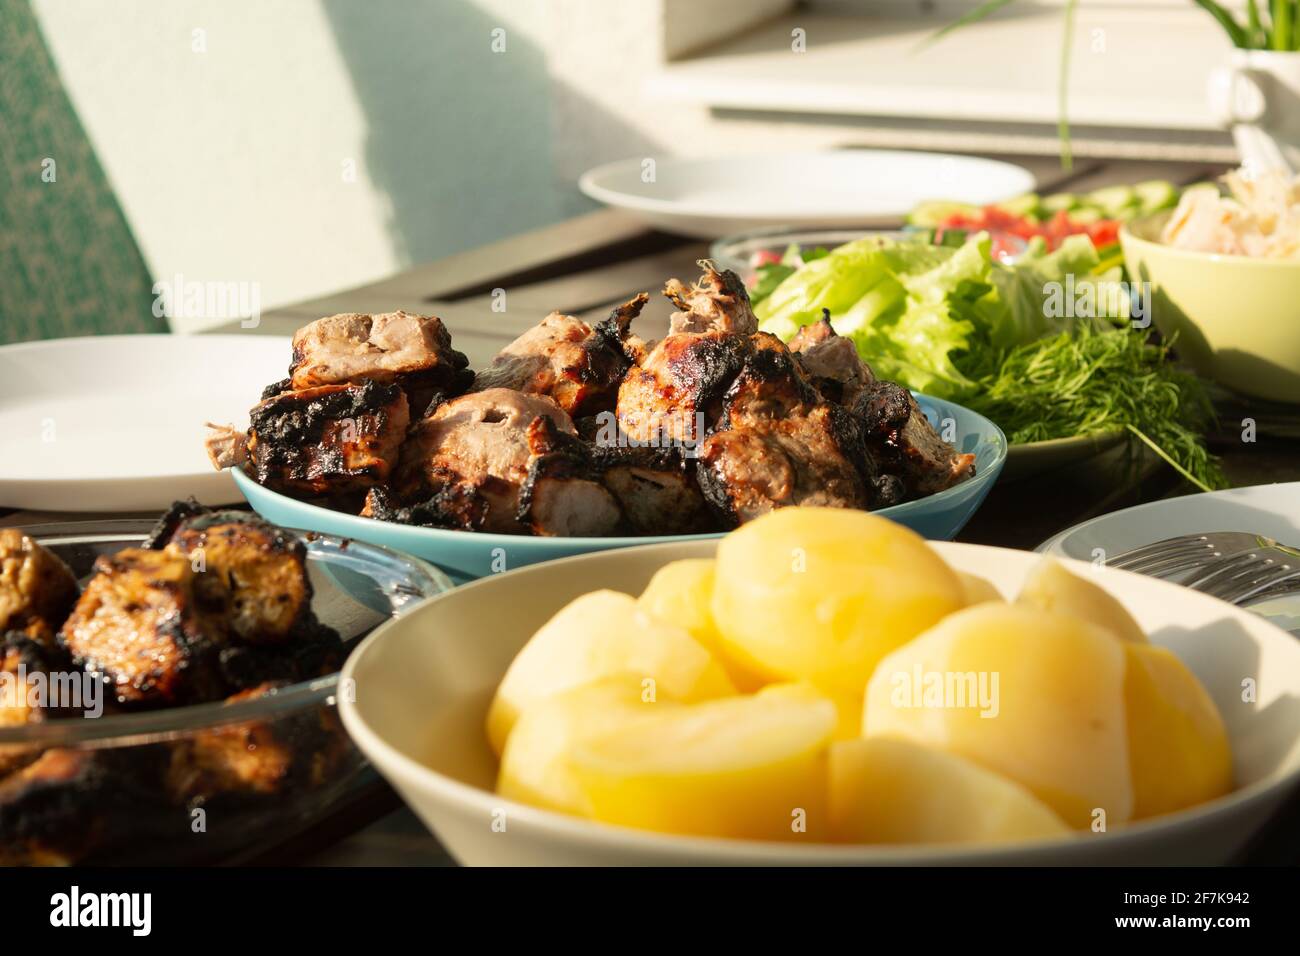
826	687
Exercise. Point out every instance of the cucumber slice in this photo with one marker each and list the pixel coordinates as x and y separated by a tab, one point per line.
927	215
1113	200
1057	201
1087	215
1156	194
1026	205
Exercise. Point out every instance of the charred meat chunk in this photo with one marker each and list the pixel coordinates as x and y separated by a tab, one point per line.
258	758
43	818
716	302
37	590
314	651
69	804
140	628
902	440
778	443
328	440
675	395
657	490
250	573
562	494
24	665
575	487
565	359
832	362
472	454
413	351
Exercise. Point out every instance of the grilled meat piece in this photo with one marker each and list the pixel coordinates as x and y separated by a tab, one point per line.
716	302
43	820
778	443
259	758
575	487
900	438
24	663
227	447
250	573
313	651
562	494
165	528
37	590
657	490
413	351
330	439
617	329
565	359
472	455
69	804
675	395
140	628
831	362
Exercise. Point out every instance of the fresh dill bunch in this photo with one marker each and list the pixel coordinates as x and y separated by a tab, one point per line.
1089	382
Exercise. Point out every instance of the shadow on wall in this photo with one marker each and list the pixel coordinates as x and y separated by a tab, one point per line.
430	66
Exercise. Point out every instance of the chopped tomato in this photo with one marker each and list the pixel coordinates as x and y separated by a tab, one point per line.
991	219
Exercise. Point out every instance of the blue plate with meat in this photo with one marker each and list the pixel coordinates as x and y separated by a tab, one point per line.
581	437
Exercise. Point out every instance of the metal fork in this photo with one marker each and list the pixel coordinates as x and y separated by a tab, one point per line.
1269	570
1174	556
1233	566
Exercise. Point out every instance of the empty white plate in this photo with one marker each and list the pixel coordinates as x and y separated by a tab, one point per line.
711	197
115	422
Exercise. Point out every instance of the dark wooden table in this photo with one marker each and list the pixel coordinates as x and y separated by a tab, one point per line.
583	267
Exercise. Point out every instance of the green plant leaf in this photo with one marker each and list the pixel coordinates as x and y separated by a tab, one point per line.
1283	24
985	9
1230	26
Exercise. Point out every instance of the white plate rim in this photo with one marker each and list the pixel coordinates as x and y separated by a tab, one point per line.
144	482
1055	544
591	185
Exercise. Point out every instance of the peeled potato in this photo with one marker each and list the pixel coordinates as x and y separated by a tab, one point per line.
848	707
681	593
1051	587
599	635
1178	747
885	790
1035	696
744	767
534	766
822	594
977	589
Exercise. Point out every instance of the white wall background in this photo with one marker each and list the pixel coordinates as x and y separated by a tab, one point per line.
309	145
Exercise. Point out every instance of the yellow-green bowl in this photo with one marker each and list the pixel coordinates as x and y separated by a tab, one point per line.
1237	318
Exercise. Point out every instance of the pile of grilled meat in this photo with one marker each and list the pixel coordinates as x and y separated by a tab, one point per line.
212	606
581	430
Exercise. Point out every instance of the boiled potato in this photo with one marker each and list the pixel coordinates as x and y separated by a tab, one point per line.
1035	696
1178	747
885	790
534	767
822	594
681	593
746	767
848	707
599	635
1051	587
977	589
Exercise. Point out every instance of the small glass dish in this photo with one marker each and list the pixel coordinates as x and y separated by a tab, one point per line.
744	252
208	782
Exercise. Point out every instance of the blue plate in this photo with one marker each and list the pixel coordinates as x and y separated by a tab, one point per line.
466	555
